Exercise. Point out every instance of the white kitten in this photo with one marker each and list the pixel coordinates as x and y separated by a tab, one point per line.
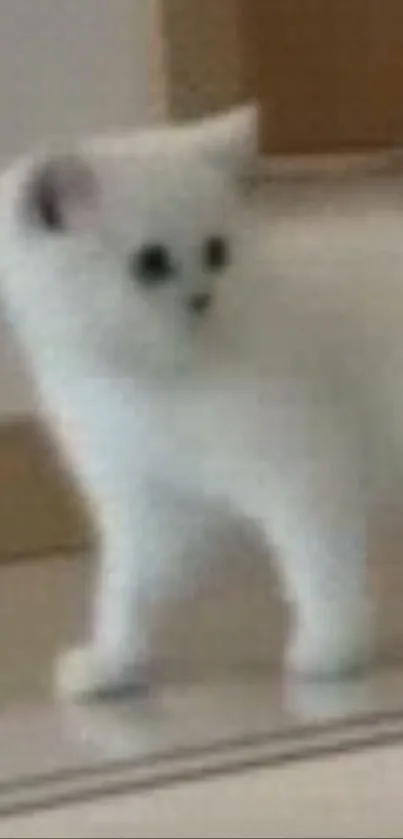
181	355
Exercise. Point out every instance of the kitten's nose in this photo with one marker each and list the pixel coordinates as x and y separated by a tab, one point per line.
200	303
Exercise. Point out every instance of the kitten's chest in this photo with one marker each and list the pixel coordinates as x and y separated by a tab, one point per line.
225	428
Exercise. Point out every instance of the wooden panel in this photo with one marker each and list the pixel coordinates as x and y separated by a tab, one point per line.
387	61
329	72
40	512
202	56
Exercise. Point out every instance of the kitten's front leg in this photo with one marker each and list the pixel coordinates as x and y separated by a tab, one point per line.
142	538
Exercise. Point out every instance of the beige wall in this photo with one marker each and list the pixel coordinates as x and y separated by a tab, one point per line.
66	68
86	65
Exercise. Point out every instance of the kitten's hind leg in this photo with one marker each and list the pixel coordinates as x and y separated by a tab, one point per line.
311	500
321	540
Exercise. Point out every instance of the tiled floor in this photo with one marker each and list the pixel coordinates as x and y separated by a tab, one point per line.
233	626
187	765
326	798
223	649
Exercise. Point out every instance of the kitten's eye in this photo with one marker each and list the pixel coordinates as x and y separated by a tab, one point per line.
152	265
216	253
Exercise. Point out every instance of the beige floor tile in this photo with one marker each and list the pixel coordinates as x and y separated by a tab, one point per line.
351	795
238	689
232	626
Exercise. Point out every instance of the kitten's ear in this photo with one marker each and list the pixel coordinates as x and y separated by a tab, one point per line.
60	194
230	140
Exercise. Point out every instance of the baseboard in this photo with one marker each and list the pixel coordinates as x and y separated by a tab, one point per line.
40	509
321	165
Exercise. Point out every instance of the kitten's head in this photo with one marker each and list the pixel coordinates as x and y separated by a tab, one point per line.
127	241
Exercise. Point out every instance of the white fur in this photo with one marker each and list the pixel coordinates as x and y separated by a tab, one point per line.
275	402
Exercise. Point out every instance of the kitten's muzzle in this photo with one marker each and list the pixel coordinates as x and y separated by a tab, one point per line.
199	304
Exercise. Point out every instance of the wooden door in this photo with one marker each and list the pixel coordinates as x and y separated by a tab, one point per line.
328	72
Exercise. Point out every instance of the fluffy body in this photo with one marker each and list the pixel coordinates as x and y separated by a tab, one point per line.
284	401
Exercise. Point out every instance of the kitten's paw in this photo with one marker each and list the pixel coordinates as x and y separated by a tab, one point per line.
331	652
83	674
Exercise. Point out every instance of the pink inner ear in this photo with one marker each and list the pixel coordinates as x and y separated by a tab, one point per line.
75	182
63	194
